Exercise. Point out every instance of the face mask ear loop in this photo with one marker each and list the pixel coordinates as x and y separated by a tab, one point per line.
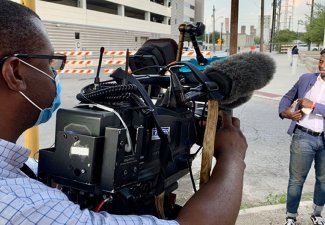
37	69
30	101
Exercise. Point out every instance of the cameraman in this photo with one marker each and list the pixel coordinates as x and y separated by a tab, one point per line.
29	94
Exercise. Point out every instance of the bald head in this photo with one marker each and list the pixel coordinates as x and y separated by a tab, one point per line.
21	30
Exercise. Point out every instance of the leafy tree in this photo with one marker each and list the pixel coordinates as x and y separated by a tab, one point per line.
315	28
257	40
285	36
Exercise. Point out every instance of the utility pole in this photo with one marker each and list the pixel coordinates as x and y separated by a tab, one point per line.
221	35
279	17
31	136
262	27
311	18
214	31
234	27
324	39
273	24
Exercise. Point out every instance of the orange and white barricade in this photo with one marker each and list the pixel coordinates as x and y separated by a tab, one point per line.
79	62
77	71
193	53
118	53
80	53
114	62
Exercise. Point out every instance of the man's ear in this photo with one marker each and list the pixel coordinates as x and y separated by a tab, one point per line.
11	72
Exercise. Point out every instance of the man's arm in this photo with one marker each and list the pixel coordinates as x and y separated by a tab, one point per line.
318	108
218	201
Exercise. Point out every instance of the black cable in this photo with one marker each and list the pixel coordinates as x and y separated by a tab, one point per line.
191	175
148	67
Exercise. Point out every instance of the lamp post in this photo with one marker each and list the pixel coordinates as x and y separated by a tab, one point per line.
221	35
300	22
213	31
213	36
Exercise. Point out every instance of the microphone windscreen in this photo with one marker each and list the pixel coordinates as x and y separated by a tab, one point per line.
247	72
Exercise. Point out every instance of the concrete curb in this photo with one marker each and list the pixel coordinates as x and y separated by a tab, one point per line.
261	209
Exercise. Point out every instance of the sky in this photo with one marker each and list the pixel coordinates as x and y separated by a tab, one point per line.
249	11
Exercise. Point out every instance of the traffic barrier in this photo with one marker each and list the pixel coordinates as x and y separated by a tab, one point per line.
79	62
81	71
109	70
81	53
285	49
114	62
112	70
75	64
118	53
192	53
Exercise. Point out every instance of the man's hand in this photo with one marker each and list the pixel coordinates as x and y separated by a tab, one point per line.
218	201
305	103
296	115
229	140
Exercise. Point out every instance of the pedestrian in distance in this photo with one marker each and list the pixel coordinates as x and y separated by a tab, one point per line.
294	53
304	104
30	93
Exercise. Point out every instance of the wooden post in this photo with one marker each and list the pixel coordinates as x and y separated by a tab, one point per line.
208	141
31	135
234	27
213	106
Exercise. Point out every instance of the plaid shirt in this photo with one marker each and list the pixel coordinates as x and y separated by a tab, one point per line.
27	201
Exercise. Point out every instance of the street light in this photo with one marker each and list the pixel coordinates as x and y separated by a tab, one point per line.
300	22
208	21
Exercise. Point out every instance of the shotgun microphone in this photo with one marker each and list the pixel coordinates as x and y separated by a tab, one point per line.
238	76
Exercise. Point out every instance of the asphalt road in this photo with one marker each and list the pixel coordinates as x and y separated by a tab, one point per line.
267	156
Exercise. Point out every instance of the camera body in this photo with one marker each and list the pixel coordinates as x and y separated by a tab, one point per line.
90	160
122	148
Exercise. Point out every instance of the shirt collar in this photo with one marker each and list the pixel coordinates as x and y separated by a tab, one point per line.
319	78
13	154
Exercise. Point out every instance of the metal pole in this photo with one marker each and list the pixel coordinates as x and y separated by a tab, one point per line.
29	4
279	17
273	24
262	27
31	135
324	39
311	18
221	36
214	31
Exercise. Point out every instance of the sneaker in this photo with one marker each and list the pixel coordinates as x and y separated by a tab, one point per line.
290	221
317	220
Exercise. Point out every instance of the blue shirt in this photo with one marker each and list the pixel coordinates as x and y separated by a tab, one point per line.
27	201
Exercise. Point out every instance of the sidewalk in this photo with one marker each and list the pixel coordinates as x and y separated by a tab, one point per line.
283	80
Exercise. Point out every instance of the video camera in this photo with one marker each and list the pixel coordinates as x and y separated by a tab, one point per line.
121	147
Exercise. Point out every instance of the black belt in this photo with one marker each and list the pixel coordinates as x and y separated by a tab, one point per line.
308	131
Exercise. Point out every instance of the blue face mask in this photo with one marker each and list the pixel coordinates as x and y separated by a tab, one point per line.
46	114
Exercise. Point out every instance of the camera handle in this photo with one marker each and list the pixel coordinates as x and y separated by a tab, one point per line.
208	141
193	32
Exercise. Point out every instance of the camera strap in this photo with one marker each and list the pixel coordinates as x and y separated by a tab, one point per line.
28	171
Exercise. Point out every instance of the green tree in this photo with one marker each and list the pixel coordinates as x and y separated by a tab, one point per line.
257	40
285	36
315	27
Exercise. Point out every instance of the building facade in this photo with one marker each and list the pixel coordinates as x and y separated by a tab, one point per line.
86	25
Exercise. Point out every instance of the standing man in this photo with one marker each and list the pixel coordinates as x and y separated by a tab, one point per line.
30	93
307	145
